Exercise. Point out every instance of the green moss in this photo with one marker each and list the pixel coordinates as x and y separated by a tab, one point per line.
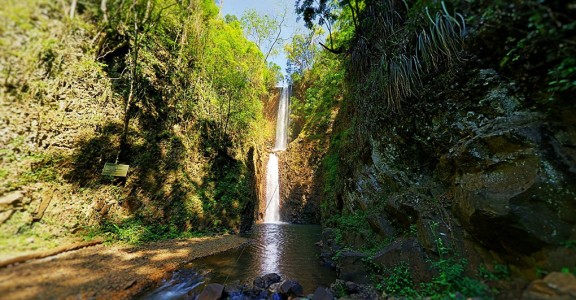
3	173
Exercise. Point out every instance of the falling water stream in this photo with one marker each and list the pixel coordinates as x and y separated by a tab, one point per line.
277	247
272	209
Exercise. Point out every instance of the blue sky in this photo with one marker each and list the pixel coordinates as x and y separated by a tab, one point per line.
271	8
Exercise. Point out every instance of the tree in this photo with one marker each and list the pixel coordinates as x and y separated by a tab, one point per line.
302	51
323	13
264	30
73	8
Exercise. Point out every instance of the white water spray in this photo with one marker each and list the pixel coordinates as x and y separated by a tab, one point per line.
272	212
282	120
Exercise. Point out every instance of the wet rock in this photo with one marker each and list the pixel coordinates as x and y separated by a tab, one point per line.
265	281
351	267
561	286
408	251
352	287
429	231
361	291
291	288
405	208
508	193
212	291
274	288
351	237
235	291
381	226
322	293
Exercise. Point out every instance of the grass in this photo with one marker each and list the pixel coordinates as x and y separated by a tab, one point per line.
21	167
135	231
19	236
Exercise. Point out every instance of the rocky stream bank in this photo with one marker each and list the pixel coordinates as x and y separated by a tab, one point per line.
273	286
106	272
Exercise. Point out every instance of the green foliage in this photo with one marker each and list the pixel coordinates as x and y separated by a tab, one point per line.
571	244
136	231
323	92
536	25
392	62
301	53
541	272
182	84
563	76
39	166
264	30
339	289
413	230
210	9
498	272
451	278
399	282
44	169
3	174
354	226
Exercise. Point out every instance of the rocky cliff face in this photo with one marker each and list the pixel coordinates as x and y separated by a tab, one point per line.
482	162
301	182
491	173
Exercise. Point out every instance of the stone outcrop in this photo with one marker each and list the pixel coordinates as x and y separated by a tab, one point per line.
492	179
301	182
560	286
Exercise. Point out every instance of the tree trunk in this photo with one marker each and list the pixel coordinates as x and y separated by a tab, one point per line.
104	10
73	8
133	80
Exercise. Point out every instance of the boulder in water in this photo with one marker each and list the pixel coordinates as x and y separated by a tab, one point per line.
291	288
235	291
211	292
265	281
322	293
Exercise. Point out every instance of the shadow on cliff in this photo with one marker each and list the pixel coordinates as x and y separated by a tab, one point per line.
304	208
181	168
154	151
160	189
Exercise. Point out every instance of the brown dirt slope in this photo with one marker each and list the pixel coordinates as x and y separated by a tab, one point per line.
106	272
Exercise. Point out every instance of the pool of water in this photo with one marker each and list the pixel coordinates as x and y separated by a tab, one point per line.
286	249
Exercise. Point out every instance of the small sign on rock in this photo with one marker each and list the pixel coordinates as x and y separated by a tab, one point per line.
117	170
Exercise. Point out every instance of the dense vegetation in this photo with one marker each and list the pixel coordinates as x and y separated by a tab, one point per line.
441	133
400	74
169	88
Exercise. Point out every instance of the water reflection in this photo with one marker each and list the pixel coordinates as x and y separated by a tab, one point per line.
286	249
272	249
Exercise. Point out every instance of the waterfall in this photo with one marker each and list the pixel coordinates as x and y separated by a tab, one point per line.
272	212
282	120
